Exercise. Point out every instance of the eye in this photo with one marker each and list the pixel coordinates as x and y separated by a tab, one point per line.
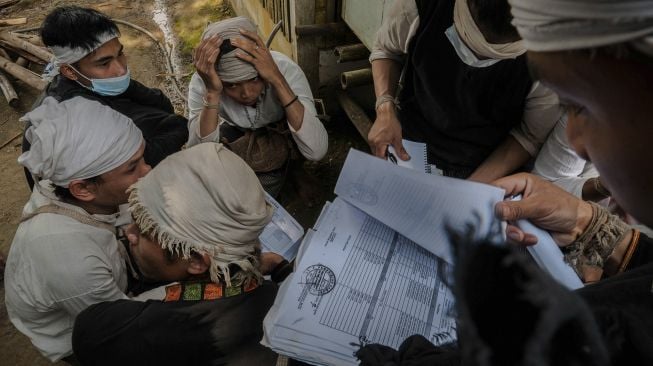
229	85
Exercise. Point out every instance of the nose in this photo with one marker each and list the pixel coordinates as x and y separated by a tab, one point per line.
119	68
575	136
248	91
146	169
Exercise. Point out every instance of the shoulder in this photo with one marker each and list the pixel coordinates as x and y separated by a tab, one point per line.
284	62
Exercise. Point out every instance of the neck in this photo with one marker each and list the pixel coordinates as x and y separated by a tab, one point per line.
91	208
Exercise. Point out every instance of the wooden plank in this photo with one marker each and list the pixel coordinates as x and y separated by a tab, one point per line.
13	21
23	74
8	90
17	42
305	50
4	3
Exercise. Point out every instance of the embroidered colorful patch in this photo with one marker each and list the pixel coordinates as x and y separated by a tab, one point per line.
193	291
232	291
173	293
212	291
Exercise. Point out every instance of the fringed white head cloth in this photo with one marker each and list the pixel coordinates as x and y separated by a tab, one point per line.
205	199
69	55
231	69
558	25
474	39
77	139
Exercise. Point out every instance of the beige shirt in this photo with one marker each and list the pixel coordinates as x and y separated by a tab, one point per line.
56	268
312	139
541	111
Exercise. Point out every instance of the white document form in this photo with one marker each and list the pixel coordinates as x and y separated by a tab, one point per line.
419	205
283	234
358	282
418	156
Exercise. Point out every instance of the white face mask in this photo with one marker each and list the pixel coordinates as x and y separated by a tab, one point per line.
464	53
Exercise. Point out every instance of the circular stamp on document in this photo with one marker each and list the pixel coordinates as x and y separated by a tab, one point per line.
319	279
363	193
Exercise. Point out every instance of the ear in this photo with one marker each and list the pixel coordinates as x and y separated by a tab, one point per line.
68	72
83	190
199	263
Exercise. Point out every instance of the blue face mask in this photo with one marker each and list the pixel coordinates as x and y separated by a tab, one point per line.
108	87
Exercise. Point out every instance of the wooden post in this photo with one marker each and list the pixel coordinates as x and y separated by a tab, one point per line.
17	42
23	74
4	3
8	90
13	21
305	50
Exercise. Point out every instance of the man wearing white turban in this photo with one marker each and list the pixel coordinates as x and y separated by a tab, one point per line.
453	74
253	100
65	255
598	57
198	216
89	62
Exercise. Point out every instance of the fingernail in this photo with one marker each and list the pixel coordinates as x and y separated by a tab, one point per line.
514	236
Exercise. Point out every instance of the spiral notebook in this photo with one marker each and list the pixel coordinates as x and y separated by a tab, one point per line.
418	156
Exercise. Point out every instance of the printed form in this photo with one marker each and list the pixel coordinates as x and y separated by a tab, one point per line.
361	282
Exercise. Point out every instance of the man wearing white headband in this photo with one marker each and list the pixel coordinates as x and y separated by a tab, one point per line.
598	57
89	61
253	99
466	91
65	255
198	216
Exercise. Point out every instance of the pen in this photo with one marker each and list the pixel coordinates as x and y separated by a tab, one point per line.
390	156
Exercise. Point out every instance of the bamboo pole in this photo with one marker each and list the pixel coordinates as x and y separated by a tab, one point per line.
351	52
350	79
4	54
31	38
8	90
23	74
22	62
17	42
21	53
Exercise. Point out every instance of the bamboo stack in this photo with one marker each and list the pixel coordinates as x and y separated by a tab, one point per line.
19	53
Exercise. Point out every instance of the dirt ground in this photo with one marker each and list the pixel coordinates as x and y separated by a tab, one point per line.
146	64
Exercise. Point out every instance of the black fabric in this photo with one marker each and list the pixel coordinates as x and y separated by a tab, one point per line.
225	331
463	113
164	131
414	351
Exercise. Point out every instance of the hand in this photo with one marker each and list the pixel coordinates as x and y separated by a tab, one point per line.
204	57
385	131
132	233
546	206
257	55
269	261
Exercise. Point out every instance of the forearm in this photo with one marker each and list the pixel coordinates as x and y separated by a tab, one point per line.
504	160
386	74
209	118
288	99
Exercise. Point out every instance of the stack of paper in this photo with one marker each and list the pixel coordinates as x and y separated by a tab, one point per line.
283	234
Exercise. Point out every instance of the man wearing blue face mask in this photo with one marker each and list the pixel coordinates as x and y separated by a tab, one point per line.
466	88
89	62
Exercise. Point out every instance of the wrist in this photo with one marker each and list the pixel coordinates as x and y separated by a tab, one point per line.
212	96
584	215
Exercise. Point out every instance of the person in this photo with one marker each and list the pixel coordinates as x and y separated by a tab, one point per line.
557	162
466	91
89	61
204	235
65	255
598	57
252	99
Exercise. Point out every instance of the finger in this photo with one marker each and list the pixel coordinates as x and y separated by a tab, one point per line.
245	45
516	236
515	210
399	147
254	37
245	57
213	56
380	150
514	184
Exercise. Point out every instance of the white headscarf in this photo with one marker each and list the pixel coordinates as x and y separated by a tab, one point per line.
557	25
77	139
68	55
474	39
208	200
230	68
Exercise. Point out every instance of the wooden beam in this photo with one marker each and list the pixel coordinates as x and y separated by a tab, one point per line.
13	21
8	90
4	3
352	52
356	114
305	50
350	79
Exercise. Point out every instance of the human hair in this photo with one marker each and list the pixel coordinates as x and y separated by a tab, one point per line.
75	27
64	193
494	19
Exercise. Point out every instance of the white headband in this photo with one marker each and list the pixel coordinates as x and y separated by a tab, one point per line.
68	55
558	25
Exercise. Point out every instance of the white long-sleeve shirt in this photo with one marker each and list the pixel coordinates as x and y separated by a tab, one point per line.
558	162
541	110
311	138
56	268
